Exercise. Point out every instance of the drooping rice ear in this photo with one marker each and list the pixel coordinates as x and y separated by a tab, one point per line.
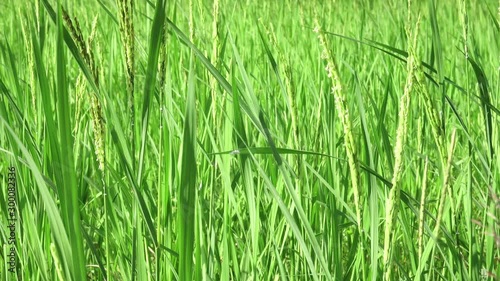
85	49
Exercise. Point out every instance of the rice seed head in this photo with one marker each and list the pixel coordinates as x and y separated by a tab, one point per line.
431	112
129	21
93	31
191	21
394	194
99	133
85	49
464	21
76	33
31	65
99	125
290	89
79	89
37	14
420	86
127	34
404	107
162	67
57	262
301	16
215	23
343	112
286	72
215	48
92	62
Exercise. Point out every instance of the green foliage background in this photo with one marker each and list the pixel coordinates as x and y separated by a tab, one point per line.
236	168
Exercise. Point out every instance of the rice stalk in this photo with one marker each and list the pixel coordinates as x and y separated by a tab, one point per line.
99	131
88	56
468	205
37	14
126	21
162	66
163	204
57	262
191	21
393	201
215	48
31	66
286	72
432	115
431	112
302	16
76	33
465	27
446	185
421	213
290	89
97	115
345	119
79	92
430	107
420	130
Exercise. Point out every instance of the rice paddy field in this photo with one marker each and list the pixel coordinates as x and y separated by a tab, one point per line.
249	140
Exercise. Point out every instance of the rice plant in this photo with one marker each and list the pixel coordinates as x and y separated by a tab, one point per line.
264	140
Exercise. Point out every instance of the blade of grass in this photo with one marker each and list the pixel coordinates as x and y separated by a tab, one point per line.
485	102
186	191
372	185
61	238
69	200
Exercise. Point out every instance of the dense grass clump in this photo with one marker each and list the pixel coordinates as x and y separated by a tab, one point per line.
266	140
